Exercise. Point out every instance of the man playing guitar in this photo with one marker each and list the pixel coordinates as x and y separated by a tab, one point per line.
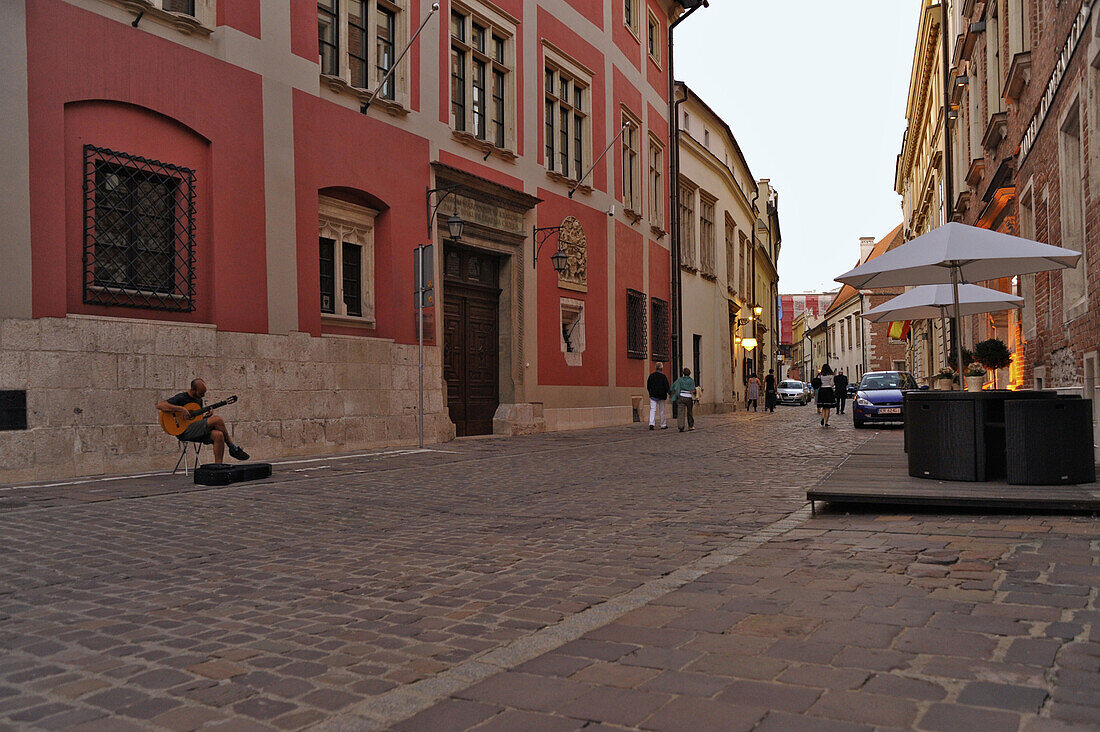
209	430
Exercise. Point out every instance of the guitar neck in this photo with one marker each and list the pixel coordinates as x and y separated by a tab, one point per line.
210	408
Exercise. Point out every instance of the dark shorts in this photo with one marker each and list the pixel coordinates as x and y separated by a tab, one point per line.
198	432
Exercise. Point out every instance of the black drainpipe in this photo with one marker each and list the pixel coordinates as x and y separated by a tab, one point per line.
674	194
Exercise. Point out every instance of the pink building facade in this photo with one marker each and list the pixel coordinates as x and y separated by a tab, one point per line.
197	188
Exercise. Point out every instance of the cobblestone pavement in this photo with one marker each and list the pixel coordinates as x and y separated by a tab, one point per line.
603	579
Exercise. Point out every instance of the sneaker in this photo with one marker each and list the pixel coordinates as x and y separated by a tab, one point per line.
237	452
664	426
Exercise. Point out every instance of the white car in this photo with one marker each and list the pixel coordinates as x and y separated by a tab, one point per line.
792	392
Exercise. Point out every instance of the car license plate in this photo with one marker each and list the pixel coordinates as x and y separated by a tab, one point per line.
890	410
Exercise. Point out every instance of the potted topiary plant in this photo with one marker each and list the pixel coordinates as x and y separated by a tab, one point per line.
993	354
975	377
945	378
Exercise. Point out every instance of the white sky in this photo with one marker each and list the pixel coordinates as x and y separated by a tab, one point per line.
815	93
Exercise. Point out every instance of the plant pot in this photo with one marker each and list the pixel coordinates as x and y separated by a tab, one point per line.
974	383
945	384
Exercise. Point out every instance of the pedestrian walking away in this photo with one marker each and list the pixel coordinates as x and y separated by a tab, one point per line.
683	389
840	387
659	392
816	384
826	398
770	394
752	393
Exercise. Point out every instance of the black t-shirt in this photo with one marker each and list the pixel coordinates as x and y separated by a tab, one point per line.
769	383
657	385
183	399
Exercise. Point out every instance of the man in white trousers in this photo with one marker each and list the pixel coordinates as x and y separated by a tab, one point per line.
658	386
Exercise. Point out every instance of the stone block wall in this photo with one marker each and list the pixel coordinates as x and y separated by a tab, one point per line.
92	385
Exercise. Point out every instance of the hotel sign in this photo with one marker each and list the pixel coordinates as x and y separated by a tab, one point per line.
1064	58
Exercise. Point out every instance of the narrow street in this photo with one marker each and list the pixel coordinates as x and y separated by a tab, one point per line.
603	579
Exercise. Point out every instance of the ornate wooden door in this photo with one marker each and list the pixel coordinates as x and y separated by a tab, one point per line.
471	346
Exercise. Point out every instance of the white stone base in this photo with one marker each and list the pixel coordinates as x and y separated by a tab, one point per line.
92	385
519	419
583	418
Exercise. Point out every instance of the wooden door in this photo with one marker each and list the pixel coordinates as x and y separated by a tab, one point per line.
471	344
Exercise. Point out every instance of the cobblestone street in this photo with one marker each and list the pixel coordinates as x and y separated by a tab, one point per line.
604	579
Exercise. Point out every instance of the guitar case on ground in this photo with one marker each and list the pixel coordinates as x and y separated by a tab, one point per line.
214	474
224	473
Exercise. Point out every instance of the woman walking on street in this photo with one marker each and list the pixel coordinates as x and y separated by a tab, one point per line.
683	390
752	393
826	397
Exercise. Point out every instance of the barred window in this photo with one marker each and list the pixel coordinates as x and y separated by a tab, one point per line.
139	232
187	7
635	324
660	329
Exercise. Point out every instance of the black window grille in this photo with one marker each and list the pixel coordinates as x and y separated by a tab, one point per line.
635	324
139	232
661	326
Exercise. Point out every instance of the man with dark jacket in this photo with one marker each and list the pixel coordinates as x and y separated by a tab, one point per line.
840	382
658	387
771	396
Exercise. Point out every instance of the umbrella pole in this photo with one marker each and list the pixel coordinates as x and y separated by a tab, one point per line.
943	337
958	321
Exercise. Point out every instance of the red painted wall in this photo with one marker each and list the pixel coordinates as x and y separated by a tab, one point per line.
552	367
303	29
244	15
385	168
180	99
660	281
629	273
571	43
623	36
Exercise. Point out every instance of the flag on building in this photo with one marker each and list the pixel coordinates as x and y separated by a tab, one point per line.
899	329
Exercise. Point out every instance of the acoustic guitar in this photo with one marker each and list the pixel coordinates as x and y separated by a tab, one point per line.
175	424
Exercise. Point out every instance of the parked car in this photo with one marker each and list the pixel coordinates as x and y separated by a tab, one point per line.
809	389
792	392
879	396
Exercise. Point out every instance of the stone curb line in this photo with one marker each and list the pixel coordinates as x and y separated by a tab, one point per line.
391	707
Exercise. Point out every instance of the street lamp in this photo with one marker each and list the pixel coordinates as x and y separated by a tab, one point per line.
454	225
538	237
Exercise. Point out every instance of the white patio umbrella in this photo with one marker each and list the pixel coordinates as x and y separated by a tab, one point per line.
926	302
957	253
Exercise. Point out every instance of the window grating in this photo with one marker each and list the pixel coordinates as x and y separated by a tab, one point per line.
139	232
661	329
635	324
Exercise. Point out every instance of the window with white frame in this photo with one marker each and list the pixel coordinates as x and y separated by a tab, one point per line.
653	38
707	233
630	15
481	67
632	128
346	256
656	183
687	223
566	118
359	40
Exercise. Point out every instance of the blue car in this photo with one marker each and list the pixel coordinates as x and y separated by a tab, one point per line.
879	397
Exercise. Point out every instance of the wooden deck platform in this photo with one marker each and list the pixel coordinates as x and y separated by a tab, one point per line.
877	473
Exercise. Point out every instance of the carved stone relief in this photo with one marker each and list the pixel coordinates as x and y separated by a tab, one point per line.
1063	368
575	245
